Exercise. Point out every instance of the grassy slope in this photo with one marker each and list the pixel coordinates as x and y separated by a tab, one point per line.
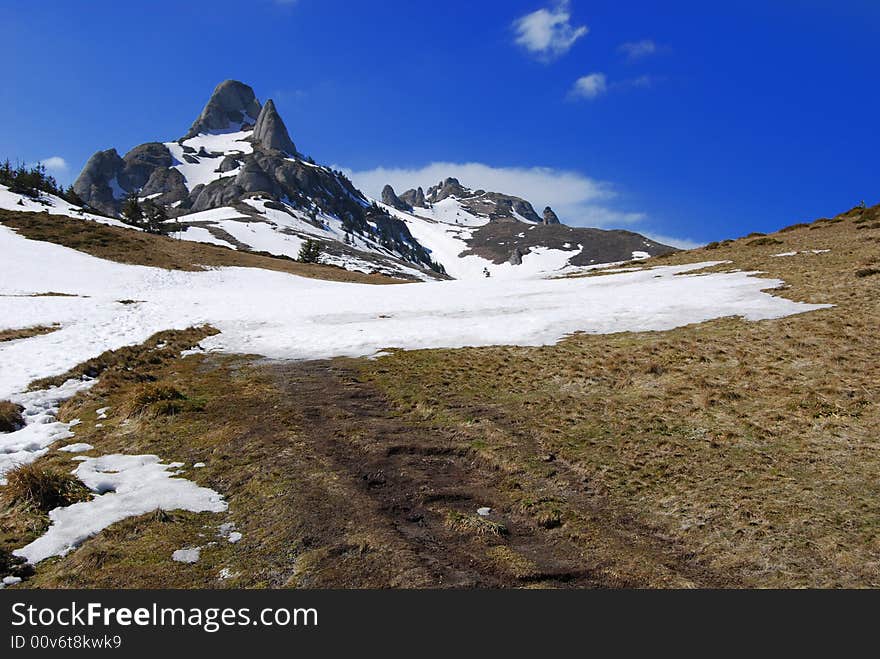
723	454
755	445
128	246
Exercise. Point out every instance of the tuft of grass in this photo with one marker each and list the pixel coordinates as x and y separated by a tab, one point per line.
867	272
43	488
156	399
473	524
766	240
10	416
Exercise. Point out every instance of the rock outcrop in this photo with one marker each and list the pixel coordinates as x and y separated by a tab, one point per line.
415	198
233	105
270	131
550	217
451	187
98	182
391	199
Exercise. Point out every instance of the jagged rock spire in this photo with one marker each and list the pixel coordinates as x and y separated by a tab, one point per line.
415	198
550	217
232	104
271	132
391	199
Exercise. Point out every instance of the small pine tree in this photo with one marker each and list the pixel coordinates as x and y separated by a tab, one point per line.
154	217
71	197
132	213
310	252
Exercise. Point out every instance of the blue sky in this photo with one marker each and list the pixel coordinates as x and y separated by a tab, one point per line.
685	119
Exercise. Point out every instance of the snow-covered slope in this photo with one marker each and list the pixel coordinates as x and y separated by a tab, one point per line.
47	203
283	316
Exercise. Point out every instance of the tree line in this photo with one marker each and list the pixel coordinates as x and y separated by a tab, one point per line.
31	180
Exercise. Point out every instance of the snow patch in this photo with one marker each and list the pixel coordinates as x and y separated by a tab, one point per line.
190	555
80	447
125	486
42	428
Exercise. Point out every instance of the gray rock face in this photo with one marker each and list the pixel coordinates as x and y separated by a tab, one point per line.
253	178
93	185
270	131
550	217
169	184
391	199
223	192
515	257
228	164
448	188
141	162
415	198
232	104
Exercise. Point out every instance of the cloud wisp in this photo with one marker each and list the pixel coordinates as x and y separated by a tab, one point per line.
55	164
548	34
578	199
590	86
634	50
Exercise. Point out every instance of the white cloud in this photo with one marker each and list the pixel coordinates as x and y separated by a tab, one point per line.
578	200
638	49
681	243
548	33
590	86
55	164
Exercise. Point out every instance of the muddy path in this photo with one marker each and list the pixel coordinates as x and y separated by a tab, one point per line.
418	490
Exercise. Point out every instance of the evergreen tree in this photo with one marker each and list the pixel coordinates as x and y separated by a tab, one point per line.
154	217
71	197
132	213
310	252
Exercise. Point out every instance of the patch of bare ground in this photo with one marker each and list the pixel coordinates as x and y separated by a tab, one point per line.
329	486
138	248
26	332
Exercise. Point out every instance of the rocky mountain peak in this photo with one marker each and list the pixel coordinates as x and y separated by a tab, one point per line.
451	187
415	198
270	131
232	105
550	217
391	199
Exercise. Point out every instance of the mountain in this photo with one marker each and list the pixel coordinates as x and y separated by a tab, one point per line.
236	178
472	232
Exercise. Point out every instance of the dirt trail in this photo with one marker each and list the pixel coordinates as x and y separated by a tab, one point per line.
406	481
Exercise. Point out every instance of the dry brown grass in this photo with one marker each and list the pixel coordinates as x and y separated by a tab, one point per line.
26	332
10	416
42	488
155	399
127	246
752	446
473	525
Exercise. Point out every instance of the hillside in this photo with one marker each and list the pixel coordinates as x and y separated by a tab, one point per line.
704	418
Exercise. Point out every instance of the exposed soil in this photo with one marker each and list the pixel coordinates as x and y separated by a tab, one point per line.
411	480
